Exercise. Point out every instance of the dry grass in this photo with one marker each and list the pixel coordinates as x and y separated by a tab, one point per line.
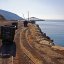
33	48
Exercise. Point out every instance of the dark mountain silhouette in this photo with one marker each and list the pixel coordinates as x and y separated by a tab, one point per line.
9	15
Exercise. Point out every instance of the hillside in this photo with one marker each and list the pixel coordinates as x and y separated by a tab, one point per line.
9	15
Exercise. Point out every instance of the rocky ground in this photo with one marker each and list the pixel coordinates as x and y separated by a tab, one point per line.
34	47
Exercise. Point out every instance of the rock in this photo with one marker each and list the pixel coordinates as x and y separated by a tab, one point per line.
44	42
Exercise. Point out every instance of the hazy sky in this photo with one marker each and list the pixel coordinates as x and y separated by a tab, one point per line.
47	9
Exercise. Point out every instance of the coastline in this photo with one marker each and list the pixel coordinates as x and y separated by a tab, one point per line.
35	46
42	36
53	29
45	45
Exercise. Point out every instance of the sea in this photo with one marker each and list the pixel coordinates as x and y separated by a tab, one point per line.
54	29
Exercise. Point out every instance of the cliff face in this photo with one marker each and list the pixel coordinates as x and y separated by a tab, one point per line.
39	36
48	52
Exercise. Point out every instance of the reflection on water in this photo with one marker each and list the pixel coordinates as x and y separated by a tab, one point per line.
54	29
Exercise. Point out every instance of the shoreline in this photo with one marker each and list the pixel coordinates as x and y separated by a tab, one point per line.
49	41
54	29
35	46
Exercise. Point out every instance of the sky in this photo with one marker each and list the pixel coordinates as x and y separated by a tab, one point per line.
44	9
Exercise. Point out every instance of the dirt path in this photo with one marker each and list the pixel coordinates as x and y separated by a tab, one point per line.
35	54
30	51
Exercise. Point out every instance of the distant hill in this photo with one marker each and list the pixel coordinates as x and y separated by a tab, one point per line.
35	19
9	15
